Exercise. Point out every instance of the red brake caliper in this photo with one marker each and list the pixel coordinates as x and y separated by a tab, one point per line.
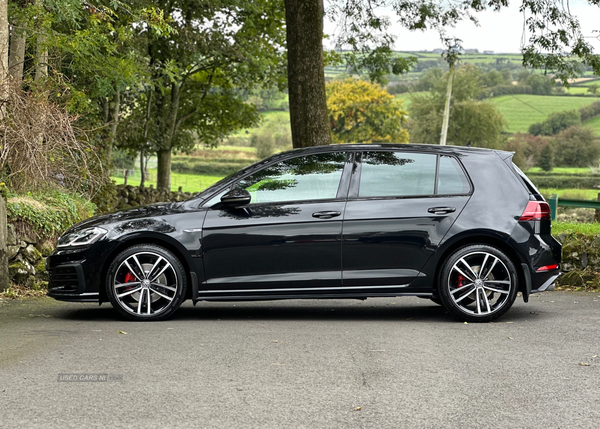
129	278
461	279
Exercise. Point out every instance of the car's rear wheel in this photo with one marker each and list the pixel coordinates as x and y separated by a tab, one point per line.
478	283
146	282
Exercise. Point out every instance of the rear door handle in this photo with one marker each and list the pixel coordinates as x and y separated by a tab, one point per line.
441	210
326	215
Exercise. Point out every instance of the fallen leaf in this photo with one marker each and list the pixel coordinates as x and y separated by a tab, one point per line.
466	323
510	338
510	322
584	364
357	409
123	332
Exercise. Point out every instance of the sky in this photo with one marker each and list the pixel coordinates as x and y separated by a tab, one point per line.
501	32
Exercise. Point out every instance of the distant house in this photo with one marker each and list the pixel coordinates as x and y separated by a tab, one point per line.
488	52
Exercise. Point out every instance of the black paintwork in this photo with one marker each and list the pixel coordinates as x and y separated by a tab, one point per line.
342	247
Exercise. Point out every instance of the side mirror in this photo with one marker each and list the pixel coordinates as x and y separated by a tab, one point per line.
236	198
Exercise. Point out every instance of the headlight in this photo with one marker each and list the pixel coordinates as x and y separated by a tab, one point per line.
81	238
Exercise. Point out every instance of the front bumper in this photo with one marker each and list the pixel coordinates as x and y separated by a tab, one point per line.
76	274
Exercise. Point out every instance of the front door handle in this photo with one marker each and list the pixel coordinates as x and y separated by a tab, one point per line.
441	210
326	215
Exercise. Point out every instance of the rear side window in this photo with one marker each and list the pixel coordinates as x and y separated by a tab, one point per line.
397	174
400	174
451	177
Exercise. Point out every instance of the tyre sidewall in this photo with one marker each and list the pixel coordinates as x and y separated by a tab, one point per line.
179	272
444	293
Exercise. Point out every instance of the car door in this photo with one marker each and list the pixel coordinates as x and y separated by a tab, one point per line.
289	237
400	206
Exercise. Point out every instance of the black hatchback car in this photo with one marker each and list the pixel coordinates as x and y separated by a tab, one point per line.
461	226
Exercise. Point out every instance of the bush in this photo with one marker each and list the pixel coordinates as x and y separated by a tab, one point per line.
555	123
576	147
589	112
45	215
546	161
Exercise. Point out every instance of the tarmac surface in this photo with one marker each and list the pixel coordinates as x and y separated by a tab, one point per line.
379	363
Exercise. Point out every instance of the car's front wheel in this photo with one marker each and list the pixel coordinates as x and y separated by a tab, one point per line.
478	283
146	282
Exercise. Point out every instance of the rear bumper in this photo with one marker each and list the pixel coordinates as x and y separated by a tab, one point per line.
546	284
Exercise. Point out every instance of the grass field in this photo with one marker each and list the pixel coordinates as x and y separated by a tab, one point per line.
564	170
594	124
585	228
523	110
189	182
571	194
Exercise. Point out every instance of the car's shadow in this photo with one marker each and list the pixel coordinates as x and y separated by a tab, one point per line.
410	312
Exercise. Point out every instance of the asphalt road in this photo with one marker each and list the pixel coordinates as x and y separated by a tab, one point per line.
380	363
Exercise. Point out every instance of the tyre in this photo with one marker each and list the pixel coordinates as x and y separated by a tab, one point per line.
146	282
478	283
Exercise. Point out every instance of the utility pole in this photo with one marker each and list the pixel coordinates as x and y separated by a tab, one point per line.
444	134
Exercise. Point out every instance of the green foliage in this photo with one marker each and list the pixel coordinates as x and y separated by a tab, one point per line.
555	123
208	168
593	89
363	112
589	112
546	161
473	122
47	214
576	147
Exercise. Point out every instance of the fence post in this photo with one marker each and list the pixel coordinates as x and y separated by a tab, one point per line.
553	202
3	246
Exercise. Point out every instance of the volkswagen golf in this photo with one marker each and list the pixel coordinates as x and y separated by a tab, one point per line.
461	226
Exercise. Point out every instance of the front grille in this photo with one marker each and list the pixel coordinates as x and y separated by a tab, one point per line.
64	279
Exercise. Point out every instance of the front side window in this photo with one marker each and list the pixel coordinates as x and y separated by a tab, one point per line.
310	177
394	174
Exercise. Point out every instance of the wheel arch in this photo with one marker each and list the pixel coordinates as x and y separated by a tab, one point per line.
489	238
148	238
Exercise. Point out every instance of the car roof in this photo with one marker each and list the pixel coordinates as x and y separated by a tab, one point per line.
446	149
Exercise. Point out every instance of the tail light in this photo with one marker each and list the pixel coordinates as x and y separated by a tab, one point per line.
547	268
536	210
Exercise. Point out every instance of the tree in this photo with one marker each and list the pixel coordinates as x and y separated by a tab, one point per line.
474	122
576	147
593	89
555	39
196	69
546	161
306	75
555	123
362	112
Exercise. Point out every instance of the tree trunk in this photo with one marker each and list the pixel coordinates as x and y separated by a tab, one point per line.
3	38
3	52
306	75
114	123
4	280
41	59
16	59
163	175
163	179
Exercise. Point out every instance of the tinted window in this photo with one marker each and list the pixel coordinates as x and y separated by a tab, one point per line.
452	179
311	177
397	174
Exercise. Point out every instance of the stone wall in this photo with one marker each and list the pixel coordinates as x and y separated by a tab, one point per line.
129	196
27	254
27	259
